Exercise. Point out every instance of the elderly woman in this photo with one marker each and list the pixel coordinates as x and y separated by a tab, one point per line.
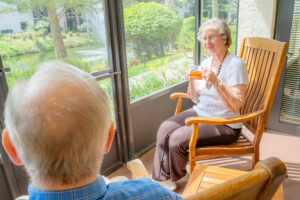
220	93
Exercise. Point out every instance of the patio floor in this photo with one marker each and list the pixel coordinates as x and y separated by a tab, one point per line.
283	146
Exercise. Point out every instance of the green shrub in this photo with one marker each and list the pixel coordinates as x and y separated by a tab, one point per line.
26	43
41	27
150	28
69	34
82	27
7	31
12	47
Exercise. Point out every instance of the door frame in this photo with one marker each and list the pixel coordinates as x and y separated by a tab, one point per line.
8	167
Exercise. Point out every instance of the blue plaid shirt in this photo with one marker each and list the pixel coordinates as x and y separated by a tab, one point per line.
141	188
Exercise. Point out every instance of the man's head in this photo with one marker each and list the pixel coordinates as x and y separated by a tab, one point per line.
58	123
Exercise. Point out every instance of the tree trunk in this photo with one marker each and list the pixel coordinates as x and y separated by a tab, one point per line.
58	42
215	10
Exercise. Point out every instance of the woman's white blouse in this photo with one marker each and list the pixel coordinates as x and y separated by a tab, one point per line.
233	72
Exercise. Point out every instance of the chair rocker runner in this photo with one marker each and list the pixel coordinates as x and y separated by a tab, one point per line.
265	60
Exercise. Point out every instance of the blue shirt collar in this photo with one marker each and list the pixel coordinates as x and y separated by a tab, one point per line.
95	190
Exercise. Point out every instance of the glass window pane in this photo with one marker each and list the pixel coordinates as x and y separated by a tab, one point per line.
34	32
221	9
159	43
106	84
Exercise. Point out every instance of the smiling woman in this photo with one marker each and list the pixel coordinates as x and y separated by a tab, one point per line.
228	75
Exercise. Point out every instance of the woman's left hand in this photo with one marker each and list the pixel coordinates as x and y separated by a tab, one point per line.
210	76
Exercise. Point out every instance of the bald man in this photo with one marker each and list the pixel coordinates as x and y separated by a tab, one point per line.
58	125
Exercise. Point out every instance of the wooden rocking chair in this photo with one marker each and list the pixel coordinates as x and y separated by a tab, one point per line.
216	183
265	60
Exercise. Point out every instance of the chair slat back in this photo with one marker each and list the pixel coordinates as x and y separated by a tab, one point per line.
260	183
264	59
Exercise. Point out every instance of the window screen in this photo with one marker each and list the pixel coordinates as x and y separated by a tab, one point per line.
290	106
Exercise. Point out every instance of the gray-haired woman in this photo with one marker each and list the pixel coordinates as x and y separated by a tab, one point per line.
220	93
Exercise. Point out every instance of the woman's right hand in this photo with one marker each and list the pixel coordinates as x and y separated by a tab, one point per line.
188	75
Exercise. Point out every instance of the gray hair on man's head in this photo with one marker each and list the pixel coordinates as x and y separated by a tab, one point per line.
58	121
222	27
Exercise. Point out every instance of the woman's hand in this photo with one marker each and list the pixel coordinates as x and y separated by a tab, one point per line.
190	77
210	76
193	91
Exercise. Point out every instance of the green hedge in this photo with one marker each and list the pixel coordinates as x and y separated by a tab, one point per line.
25	43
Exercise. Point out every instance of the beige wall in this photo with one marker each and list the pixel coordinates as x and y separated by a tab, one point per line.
256	19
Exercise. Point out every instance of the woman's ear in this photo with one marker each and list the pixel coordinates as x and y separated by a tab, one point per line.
10	149
110	138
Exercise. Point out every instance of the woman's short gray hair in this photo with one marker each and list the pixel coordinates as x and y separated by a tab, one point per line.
219	24
58	122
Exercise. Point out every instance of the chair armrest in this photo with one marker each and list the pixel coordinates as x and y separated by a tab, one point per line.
138	169
222	121
179	95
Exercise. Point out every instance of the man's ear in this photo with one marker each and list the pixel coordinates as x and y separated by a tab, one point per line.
110	138
10	149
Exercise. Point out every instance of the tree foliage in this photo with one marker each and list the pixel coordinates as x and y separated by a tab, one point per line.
150	28
186	38
53	16
37	6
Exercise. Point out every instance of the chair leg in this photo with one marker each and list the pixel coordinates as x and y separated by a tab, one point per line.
192	166
192	160
255	158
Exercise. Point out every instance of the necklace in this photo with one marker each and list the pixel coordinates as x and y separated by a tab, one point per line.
208	85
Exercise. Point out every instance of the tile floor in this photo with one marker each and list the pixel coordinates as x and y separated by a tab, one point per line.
283	146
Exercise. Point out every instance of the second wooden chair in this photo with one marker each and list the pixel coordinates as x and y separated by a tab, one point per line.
265	60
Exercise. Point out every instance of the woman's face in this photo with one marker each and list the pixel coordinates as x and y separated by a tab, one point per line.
212	41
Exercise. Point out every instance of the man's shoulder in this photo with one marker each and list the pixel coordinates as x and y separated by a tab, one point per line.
142	188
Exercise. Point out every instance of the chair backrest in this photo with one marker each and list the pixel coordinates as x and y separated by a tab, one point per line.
260	183
265	60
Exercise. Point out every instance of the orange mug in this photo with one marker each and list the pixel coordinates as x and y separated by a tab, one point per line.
196	75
